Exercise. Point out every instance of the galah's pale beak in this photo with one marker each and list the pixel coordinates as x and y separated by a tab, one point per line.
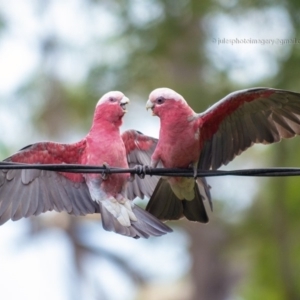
123	103
150	105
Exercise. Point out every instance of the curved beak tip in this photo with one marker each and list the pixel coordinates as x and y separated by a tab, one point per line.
123	103
149	105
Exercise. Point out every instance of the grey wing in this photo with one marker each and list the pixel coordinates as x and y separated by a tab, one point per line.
141	187
139	149
24	193
244	118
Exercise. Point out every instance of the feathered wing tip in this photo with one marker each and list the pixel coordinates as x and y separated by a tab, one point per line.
145	226
166	206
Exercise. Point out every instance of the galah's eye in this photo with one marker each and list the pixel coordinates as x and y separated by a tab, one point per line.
112	99
160	100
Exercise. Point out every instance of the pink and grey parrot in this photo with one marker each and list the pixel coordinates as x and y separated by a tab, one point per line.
28	192
211	139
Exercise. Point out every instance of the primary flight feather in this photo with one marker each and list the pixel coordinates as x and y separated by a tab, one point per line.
30	192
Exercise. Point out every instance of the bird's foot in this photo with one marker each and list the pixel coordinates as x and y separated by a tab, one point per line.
104	174
195	169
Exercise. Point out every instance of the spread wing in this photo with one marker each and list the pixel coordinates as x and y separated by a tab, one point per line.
24	193
242	118
139	148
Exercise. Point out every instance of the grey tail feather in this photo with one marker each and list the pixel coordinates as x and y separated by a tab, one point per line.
145	226
194	210
164	204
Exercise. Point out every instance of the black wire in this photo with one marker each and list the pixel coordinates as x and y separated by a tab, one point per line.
144	170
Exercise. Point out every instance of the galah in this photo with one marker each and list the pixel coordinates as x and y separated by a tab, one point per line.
28	192
211	139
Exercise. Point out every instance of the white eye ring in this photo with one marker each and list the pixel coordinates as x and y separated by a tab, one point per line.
160	100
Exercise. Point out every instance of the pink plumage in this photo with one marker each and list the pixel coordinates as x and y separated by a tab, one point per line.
30	192
211	139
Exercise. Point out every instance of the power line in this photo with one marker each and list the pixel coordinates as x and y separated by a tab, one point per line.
145	170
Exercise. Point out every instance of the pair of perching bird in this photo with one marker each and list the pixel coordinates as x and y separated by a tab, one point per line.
187	139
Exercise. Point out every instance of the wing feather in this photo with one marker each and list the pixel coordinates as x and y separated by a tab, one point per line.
28	192
139	149
239	120
45	191
283	125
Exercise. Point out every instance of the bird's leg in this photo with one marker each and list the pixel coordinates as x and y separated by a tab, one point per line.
104	174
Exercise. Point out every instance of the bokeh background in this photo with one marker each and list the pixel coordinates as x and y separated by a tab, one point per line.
58	57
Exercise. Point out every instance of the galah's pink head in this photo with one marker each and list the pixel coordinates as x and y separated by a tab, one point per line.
163	101
111	107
